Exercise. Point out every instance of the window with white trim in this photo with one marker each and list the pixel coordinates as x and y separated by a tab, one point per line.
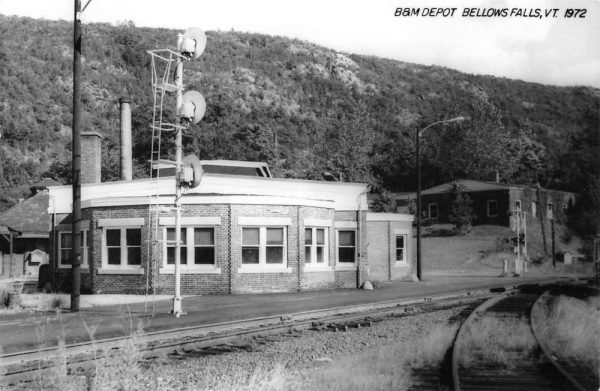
401	248
122	247
65	248
197	246
315	246
346	248
432	210
492	208
550	211
264	246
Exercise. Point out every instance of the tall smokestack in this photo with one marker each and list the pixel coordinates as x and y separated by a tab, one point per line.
126	156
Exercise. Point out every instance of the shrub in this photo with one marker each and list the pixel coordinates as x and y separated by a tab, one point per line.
4	298
462	214
58	302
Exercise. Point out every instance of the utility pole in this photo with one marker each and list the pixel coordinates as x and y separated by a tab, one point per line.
418	158
76	160
418	206
76	163
553	241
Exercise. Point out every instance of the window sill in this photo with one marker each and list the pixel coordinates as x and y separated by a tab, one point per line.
191	270
308	268
263	269
400	264
120	271
345	267
82	268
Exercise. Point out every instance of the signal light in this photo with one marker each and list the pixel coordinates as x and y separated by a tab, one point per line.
192	170
193	107
191	43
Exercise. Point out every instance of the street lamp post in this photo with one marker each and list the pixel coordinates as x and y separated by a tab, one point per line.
418	150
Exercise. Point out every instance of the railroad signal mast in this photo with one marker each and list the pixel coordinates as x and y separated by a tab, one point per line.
189	109
520	228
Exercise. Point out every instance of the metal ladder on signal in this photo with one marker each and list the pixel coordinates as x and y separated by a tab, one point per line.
161	73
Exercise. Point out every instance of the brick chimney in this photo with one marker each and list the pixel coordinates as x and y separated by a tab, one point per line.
91	159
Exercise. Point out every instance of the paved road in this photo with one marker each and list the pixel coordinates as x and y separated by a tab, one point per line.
32	331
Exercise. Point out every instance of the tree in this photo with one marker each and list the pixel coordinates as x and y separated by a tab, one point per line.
345	147
531	156
462	214
479	148
386	203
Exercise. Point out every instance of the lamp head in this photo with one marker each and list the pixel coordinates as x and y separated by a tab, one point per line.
193	107
192	43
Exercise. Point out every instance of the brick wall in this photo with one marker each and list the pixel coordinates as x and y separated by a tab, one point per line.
91	164
350	279
264	282
115	283
379	241
197	284
345	279
227	252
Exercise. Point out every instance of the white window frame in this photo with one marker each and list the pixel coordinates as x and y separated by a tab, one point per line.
437	210
345	265
262	266
313	248
123	268
488	208
190	267
404	260
84	249
549	210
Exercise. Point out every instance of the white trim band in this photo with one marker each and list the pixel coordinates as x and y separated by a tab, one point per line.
190	270
389	217
317	222
346	224
262	269
191	221
129	222
85	224
264	221
105	270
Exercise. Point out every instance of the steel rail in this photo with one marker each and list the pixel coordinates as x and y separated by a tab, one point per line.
461	331
479	311
544	346
16	366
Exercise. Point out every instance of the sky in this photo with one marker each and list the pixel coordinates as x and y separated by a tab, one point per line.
556	49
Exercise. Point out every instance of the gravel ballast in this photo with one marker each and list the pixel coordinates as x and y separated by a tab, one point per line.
297	353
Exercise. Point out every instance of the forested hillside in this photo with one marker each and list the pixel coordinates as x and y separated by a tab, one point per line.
303	108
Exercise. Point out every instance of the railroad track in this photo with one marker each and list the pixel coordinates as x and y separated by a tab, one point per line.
496	349
23	366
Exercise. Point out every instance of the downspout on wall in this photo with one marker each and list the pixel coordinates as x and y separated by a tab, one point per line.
359	241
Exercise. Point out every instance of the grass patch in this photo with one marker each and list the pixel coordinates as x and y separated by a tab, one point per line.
497	341
390	368
4	301
58	302
387	368
571	329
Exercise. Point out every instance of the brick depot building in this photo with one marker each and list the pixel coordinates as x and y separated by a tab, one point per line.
242	231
